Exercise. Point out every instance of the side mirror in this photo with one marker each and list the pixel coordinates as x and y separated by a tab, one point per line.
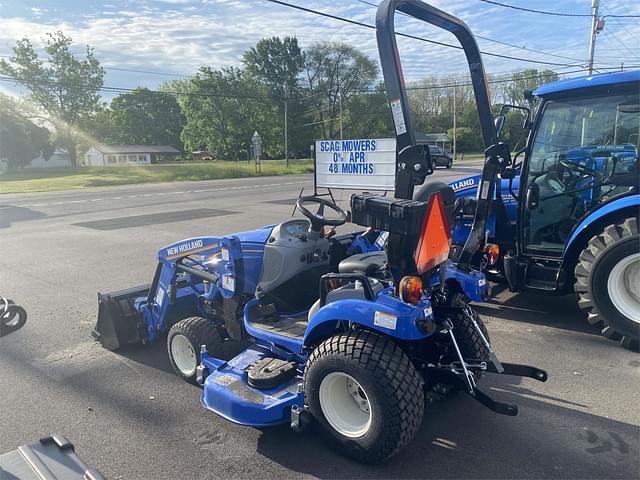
533	196
526	123
499	122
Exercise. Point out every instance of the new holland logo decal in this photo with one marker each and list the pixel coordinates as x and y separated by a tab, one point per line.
188	248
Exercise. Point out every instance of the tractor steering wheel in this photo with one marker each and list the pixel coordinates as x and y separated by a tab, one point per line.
318	220
578	167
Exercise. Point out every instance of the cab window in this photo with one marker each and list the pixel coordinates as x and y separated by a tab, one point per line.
584	153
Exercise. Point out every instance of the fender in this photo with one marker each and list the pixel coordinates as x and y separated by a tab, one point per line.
606	209
386	315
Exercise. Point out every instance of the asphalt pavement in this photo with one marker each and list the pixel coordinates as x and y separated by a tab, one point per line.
131	417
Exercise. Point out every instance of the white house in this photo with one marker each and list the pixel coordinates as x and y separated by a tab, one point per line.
113	155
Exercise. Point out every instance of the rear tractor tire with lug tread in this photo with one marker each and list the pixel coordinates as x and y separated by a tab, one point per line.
608	282
184	341
365	394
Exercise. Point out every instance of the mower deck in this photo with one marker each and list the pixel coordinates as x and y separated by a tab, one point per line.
227	391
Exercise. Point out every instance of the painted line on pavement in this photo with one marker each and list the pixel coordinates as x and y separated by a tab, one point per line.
158	194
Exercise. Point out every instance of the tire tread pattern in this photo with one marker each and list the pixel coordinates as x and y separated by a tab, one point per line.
596	245
402	386
199	331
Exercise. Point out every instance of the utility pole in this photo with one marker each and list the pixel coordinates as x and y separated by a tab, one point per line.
286	143
340	102
454	121
597	24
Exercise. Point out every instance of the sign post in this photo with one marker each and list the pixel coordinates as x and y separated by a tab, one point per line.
257	149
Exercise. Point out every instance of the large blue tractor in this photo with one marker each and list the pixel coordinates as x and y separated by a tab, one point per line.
287	323
564	216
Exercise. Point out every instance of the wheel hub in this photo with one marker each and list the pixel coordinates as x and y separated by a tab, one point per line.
623	287
345	404
184	355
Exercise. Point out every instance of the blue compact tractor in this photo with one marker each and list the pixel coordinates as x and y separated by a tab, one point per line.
288	324
563	217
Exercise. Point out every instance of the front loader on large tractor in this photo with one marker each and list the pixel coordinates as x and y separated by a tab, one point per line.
286	324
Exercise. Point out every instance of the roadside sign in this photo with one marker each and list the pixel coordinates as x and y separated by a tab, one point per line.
363	164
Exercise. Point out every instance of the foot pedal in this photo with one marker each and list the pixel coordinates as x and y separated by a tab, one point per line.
269	373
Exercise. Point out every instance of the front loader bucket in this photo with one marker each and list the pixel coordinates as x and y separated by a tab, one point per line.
119	323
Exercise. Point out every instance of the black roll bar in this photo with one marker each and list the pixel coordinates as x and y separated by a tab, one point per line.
497	156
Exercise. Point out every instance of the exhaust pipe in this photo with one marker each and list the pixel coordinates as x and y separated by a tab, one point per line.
119	323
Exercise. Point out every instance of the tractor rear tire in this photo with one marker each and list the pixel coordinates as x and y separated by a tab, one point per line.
365	394
608	282
185	340
469	341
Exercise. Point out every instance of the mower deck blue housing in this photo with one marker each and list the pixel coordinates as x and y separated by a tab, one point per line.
228	393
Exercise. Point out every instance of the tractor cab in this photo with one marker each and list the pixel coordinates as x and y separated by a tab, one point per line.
583	154
563	216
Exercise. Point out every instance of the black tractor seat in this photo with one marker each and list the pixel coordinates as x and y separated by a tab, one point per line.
370	264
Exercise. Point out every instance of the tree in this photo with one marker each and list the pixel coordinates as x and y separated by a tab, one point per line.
144	117
223	109
524	80
66	88
368	115
334	72
277	63
20	139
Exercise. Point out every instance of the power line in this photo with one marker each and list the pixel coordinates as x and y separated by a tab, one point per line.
555	14
414	37
159	92
614	37
132	70
494	40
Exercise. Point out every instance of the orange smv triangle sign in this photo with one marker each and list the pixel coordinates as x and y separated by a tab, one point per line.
435	241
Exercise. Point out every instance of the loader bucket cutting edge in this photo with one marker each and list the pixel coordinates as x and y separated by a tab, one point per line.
119	324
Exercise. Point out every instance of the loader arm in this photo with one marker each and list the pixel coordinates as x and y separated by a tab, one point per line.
497	156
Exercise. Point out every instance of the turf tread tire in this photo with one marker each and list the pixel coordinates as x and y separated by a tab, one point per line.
393	385
598	245
199	331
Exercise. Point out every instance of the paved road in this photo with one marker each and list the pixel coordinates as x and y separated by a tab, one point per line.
131	417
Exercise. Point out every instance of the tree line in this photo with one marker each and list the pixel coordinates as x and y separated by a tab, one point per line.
327	90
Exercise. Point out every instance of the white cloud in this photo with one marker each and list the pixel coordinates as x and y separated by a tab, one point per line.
173	36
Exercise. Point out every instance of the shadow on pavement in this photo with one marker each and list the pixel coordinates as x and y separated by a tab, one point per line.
459	438
154	355
9	214
533	308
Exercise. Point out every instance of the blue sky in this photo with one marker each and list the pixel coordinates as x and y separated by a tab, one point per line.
175	37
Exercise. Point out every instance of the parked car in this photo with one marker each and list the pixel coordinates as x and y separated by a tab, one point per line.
440	157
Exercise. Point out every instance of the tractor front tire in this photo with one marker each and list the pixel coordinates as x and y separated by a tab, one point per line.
365	394
608	282
185	340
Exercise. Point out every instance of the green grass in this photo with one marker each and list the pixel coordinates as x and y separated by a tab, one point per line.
471	156
51	179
